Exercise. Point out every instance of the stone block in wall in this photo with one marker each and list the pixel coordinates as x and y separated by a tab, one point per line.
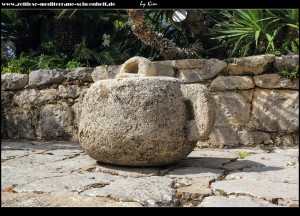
276	110
188	63
56	122
45	77
191	75
21	122
233	108
3	125
296	139
105	72
81	73
6	98
183	63
275	81
35	97
286	62
253	138
261	137
74	109
224	83
6	101
210	69
287	140
68	91
13	81
164	70
223	136
250	64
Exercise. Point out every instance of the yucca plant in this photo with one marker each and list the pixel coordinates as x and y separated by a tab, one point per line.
252	31
287	24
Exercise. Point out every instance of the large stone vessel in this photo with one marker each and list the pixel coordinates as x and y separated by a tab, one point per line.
144	121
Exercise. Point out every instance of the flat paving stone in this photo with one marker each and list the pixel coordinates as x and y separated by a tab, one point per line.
240	201
82	162
11	154
150	191
39	145
37	173
286	175
34	160
273	159
12	176
287	152
59	200
69	182
207	152
197	190
195	172
258	188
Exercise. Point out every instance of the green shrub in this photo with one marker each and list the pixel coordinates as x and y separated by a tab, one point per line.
291	73
24	64
248	32
73	64
243	155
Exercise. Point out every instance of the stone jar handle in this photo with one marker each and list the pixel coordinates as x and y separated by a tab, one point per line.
136	67
200	110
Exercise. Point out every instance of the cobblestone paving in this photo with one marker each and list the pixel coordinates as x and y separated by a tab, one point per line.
61	174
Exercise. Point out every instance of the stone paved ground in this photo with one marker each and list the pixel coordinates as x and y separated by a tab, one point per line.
61	174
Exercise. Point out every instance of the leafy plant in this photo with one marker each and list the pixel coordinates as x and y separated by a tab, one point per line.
24	64
239	87
243	155
291	73
73	64
247	32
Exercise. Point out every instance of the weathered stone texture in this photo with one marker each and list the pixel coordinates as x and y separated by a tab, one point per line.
253	138
270	117
286	62
44	77
82	73
35	173
210	68
276	110
275	81
164	70
184	63
151	191
35	97
56	122
141	121
105	72
239	201
233	108
258	189
68	91
250	65
223	83
21	122
287	140
224	136
13	81
197	190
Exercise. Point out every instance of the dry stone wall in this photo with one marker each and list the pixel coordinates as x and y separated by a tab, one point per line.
255	105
